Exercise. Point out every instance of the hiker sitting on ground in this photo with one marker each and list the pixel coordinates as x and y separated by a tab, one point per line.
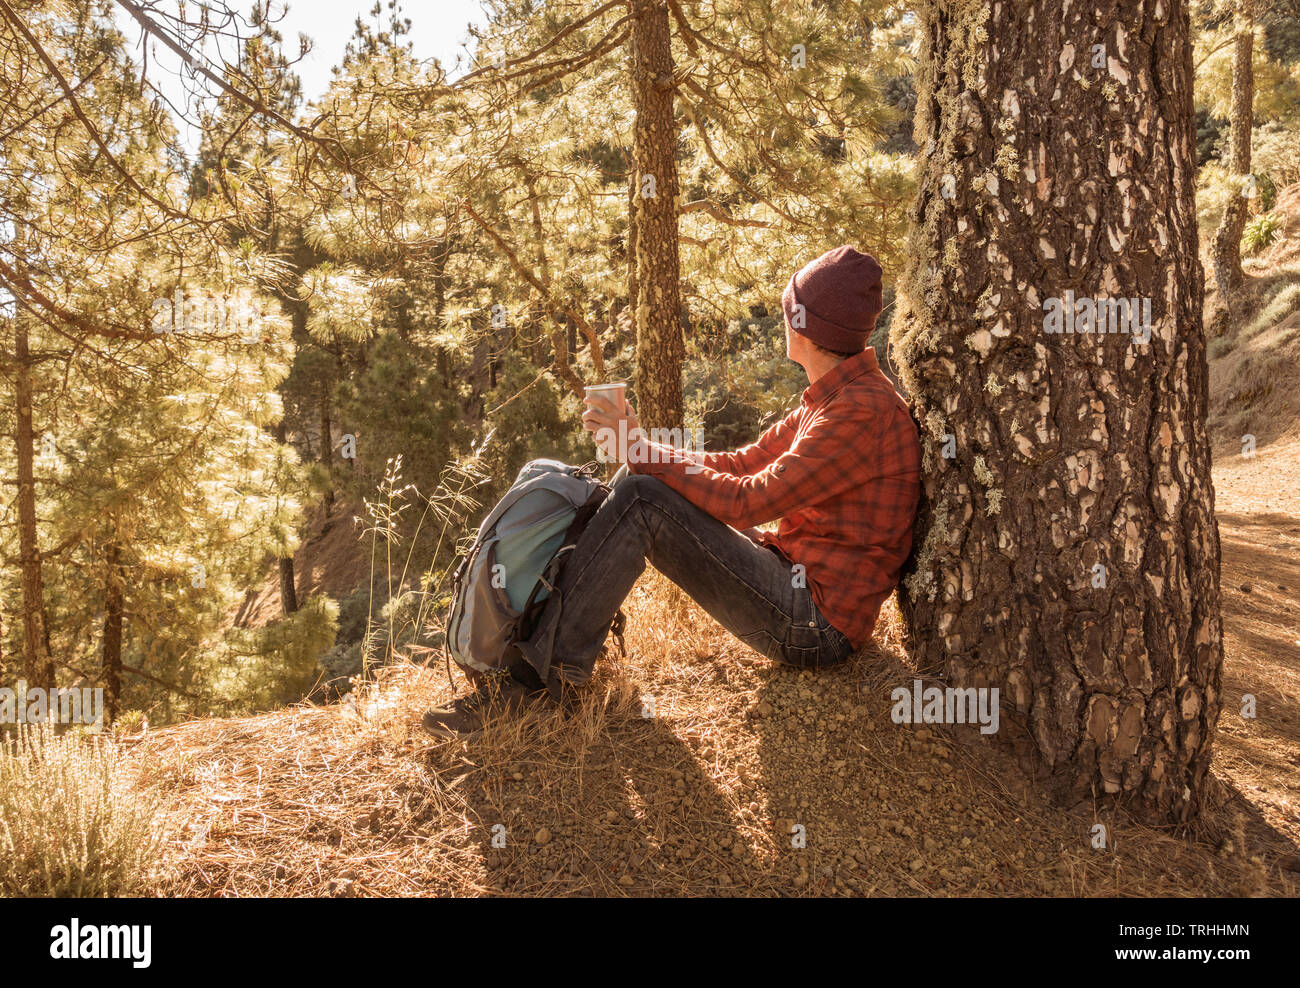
841	473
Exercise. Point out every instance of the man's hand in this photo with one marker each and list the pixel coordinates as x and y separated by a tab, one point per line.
615	431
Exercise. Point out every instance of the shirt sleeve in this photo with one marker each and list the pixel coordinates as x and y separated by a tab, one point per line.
830	458
757	455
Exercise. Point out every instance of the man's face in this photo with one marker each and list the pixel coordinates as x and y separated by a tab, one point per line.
796	345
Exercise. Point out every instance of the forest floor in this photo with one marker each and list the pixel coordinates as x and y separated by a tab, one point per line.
744	759
704	797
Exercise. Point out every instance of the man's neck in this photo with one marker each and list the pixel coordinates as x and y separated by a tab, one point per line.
820	365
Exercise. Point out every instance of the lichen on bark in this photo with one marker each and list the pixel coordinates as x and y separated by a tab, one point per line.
1072	450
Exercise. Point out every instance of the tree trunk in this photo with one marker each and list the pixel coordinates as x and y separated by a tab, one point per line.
1225	252
660	349
39	666
288	595
1067	551
111	665
633	294
327	447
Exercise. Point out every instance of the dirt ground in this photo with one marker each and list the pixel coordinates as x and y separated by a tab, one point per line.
1258	506
696	766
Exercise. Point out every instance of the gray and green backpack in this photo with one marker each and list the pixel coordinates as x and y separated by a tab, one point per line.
511	569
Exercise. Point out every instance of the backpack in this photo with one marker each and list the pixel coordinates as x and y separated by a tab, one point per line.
502	582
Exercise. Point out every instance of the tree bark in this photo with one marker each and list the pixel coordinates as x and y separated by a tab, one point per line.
327	447
39	665
1225	252
633	293
660	349
114	606
1067	553
288	595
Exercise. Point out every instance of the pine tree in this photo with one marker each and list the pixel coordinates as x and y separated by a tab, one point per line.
1068	553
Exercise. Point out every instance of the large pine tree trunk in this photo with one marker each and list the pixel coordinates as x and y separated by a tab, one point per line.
39	667
1068	552
659	345
114	605
1225	252
633	291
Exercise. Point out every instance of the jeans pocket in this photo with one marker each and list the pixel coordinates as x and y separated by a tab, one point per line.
812	640
763	642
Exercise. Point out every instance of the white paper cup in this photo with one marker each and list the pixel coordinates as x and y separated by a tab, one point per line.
615	393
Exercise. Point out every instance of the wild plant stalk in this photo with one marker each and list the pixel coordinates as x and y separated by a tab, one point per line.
384	524
450	503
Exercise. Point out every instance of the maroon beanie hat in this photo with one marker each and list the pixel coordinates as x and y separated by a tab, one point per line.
841	298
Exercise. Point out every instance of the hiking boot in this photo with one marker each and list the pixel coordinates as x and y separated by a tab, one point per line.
497	695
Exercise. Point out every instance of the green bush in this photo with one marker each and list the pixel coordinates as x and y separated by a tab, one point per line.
1260	232
264	668
1275	152
530	416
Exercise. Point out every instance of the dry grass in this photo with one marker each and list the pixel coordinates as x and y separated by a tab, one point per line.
701	798
73	819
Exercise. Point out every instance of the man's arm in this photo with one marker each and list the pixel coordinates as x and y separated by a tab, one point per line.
833	456
752	458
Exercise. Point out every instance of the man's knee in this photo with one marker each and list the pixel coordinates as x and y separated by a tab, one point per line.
642	501
642	487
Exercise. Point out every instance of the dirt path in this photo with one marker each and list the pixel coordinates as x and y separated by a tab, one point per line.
1258	505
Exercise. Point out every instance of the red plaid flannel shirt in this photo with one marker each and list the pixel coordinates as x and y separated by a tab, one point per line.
842	472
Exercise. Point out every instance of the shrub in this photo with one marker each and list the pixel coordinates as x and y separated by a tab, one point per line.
1276	153
1260	232
265	668
71	821
1280	304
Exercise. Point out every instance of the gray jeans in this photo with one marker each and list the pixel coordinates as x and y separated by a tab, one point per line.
751	590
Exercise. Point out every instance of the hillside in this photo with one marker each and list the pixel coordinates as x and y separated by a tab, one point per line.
331	560
327	801
702	798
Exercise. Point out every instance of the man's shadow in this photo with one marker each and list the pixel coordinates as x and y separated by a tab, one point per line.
831	770
622	807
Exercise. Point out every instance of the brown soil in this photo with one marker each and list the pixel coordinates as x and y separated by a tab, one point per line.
742	757
704	797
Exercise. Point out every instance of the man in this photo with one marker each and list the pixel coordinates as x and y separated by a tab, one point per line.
841	473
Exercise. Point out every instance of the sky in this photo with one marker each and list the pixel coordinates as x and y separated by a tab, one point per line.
439	29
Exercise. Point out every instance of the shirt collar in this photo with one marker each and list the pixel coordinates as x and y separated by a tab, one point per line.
847	370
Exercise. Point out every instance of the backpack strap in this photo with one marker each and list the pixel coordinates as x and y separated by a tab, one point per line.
617	628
